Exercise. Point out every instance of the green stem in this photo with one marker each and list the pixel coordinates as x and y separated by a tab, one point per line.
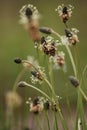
72	60
83	94
43	93
47	118
81	111
53	93
59	110
56	33
18	79
39	123
55	121
84	70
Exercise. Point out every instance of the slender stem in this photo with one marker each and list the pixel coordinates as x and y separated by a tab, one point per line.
30	64
53	93
52	90
81	110
18	79
43	93
51	75
83	94
66	25
59	110
47	117
85	68
48	83
39	123
56	124
56	33
72	60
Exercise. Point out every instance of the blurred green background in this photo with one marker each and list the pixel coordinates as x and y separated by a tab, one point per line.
15	41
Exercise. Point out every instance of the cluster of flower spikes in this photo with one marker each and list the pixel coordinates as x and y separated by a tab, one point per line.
46	44
30	19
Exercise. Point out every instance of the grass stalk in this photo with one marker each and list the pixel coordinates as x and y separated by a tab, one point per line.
47	118
39	122
55	121
35	88
56	100
18	78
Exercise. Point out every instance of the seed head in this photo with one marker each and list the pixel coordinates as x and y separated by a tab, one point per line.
48	46
36	74
45	30
68	33
28	12
36	106
21	84
74	81
17	60
72	36
64	12
36	101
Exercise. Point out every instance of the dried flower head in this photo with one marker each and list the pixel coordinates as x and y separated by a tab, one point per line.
28	13
48	46
30	19
13	99
64	12
58	60
37	76
64	40
72	36
36	105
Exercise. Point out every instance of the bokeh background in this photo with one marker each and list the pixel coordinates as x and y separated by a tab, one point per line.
15	41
